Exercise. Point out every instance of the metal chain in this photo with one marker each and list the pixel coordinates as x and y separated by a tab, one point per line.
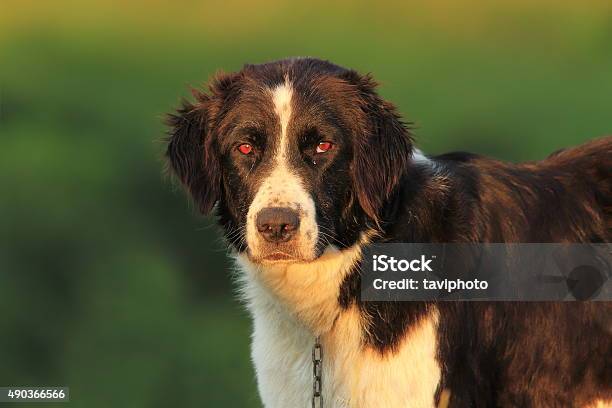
317	371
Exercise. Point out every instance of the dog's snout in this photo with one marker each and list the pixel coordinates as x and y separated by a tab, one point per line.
277	224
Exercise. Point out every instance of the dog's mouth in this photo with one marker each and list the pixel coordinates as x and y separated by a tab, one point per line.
279	257
269	254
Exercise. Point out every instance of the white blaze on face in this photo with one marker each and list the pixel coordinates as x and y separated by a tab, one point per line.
283	188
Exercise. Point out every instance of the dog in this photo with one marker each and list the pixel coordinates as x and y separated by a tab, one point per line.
305	166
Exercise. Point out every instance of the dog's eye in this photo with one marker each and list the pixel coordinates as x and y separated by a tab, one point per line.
245	148
324	146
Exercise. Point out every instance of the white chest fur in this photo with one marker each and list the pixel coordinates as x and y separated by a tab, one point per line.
281	352
289	310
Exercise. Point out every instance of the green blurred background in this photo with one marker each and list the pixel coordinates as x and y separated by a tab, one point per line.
109	282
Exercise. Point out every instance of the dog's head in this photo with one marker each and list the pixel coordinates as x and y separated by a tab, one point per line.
298	155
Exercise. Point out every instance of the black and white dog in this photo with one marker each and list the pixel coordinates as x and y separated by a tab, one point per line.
307	165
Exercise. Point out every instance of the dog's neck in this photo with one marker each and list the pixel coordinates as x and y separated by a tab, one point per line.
428	191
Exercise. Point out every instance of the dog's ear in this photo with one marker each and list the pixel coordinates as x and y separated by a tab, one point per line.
382	150
191	152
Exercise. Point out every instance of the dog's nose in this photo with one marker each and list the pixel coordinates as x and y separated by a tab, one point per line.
277	224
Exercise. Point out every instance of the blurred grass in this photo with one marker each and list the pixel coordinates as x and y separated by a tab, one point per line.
108	282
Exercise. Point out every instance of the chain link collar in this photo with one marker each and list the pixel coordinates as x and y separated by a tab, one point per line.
317	371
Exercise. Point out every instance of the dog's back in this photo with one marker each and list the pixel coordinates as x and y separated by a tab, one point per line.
590	164
506	202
